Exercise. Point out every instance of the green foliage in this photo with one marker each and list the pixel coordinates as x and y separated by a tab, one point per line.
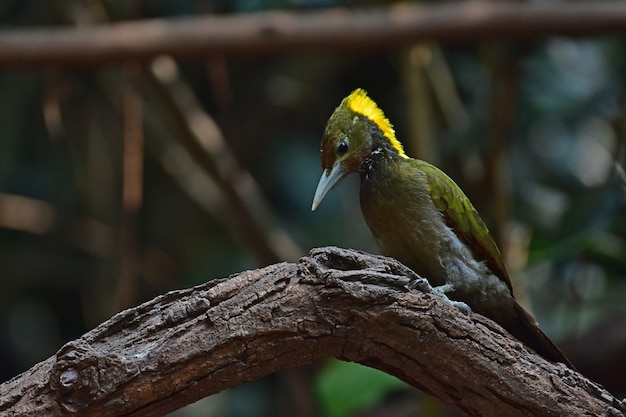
344	388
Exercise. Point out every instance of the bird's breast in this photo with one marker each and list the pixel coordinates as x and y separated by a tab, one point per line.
405	223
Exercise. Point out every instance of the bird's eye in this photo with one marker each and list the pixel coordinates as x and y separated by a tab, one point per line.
342	147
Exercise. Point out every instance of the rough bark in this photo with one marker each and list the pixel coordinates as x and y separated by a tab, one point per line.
187	344
335	30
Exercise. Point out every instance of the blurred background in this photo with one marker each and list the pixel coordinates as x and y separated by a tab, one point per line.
121	181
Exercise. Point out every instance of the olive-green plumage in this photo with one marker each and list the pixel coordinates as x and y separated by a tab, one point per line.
419	216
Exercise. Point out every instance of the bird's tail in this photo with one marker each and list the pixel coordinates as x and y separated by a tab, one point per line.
528	332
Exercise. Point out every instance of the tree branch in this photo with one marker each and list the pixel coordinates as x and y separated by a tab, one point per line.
187	344
331	30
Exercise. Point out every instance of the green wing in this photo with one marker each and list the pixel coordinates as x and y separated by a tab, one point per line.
461	216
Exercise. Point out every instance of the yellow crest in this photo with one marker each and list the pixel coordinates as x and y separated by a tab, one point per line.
359	102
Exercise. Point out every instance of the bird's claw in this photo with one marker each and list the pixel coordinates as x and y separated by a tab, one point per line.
420	284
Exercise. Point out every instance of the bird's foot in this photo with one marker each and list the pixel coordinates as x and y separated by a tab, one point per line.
443	289
463	307
423	285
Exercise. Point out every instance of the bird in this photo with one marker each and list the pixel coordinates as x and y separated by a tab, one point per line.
418	215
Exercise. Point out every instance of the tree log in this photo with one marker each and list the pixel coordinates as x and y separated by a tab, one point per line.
191	343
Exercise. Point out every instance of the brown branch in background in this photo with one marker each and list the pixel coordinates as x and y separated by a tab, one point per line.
203	166
445	91
320	31
132	191
504	97
167	150
430	88
26	214
184	345
219	81
419	107
204	142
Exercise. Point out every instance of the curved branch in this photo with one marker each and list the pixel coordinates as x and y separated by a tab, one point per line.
327	30
187	344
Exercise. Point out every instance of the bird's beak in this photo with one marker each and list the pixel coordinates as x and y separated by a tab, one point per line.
330	178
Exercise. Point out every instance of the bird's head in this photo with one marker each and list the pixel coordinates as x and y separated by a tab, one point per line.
356	128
